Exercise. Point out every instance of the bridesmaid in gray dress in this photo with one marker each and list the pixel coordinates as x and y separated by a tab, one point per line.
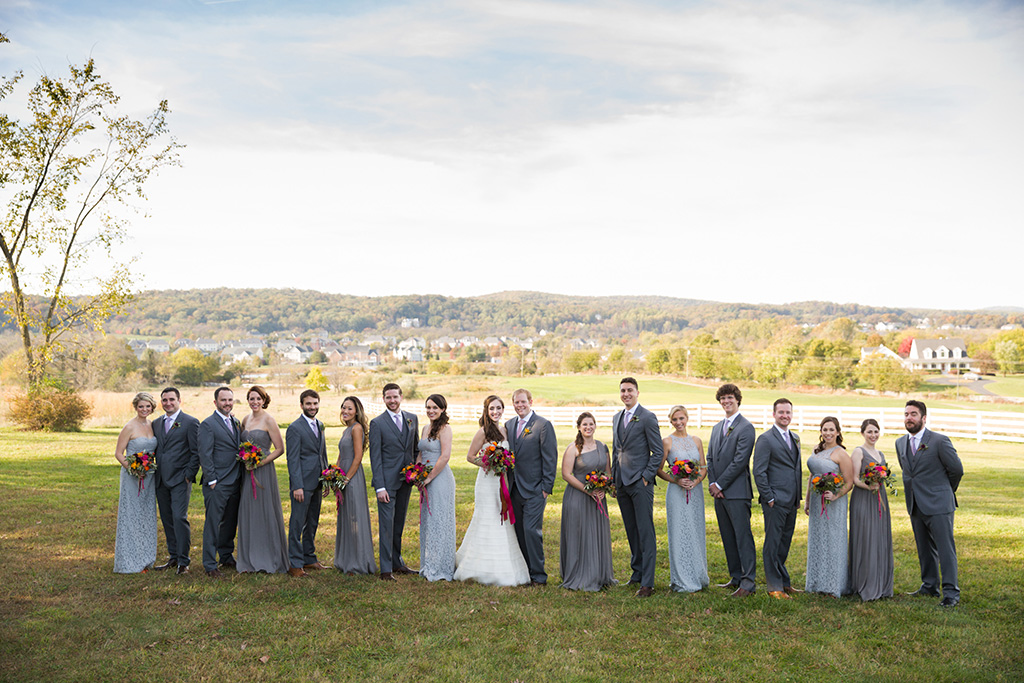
585	558
262	544
827	559
684	508
437	523
871	563
135	544
353	544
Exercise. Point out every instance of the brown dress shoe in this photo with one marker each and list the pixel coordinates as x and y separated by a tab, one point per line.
314	566
182	569
741	593
296	572
780	595
728	584
214	573
169	564
644	592
387	576
405	570
792	591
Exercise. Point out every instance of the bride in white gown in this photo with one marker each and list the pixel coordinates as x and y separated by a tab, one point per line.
490	553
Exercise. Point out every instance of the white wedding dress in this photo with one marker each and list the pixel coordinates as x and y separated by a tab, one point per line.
490	553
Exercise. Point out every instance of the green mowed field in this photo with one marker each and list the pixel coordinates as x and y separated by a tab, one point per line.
65	616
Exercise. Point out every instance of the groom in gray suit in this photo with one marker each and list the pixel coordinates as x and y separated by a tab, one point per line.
779	482
729	448
637	453
306	451
219	436
532	440
394	436
931	475
177	452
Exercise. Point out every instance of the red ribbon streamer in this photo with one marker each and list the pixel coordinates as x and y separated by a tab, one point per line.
252	477
507	513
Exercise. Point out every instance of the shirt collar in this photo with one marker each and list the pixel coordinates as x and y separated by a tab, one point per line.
781	430
526	420
310	420
173	418
394	414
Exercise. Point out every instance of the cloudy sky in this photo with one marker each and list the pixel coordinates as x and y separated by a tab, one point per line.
867	152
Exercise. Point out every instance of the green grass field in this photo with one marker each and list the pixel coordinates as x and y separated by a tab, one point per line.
65	616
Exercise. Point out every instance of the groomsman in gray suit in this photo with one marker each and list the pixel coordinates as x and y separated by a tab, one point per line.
729	448
219	436
931	475
637	453
177	454
306	451
394	435
533	441
779	482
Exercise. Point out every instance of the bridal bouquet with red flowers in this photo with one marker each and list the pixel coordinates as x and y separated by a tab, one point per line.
333	479
250	456
416	474
821	483
498	460
875	473
685	469
598	480
139	465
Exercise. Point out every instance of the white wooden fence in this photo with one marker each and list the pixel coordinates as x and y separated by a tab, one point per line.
970	424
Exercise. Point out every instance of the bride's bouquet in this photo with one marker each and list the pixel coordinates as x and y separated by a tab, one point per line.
498	460
875	473
826	482
139	465
598	480
415	474
334	479
685	469
250	455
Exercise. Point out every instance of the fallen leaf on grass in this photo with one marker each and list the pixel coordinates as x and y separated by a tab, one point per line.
174	602
151	645
245	645
572	651
265	658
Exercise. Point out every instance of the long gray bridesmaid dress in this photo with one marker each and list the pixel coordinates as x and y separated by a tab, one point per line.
871	562
135	544
353	544
585	553
262	544
827	559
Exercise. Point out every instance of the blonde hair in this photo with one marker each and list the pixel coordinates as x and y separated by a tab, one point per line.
144	396
676	409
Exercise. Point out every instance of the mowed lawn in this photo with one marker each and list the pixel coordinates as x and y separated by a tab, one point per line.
65	616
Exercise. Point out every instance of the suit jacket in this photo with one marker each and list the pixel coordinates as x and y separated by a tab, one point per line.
536	454
177	450
306	454
637	449
931	477
391	450
728	458
777	469
218	450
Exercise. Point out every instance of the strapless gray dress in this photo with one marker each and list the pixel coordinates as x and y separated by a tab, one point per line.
135	545
585	552
871	562
262	544
353	545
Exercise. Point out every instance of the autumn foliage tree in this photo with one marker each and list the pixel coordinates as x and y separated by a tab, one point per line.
66	173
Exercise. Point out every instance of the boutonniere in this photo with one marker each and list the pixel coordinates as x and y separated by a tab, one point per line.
175	425
922	447
526	431
729	431
634	419
408	421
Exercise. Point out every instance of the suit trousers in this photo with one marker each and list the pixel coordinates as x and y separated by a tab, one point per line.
740	555
173	503
302	525
636	504
936	548
391	521
779	523
530	531
221	522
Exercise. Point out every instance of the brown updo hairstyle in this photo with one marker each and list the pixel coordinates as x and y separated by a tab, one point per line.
442	419
492	432
870	422
579	435
839	433
261	392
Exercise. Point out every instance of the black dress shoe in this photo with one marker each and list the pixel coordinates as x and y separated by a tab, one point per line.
792	591
923	592
182	569
741	593
644	592
169	564
405	570
387	576
728	584
229	564
949	602
214	573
